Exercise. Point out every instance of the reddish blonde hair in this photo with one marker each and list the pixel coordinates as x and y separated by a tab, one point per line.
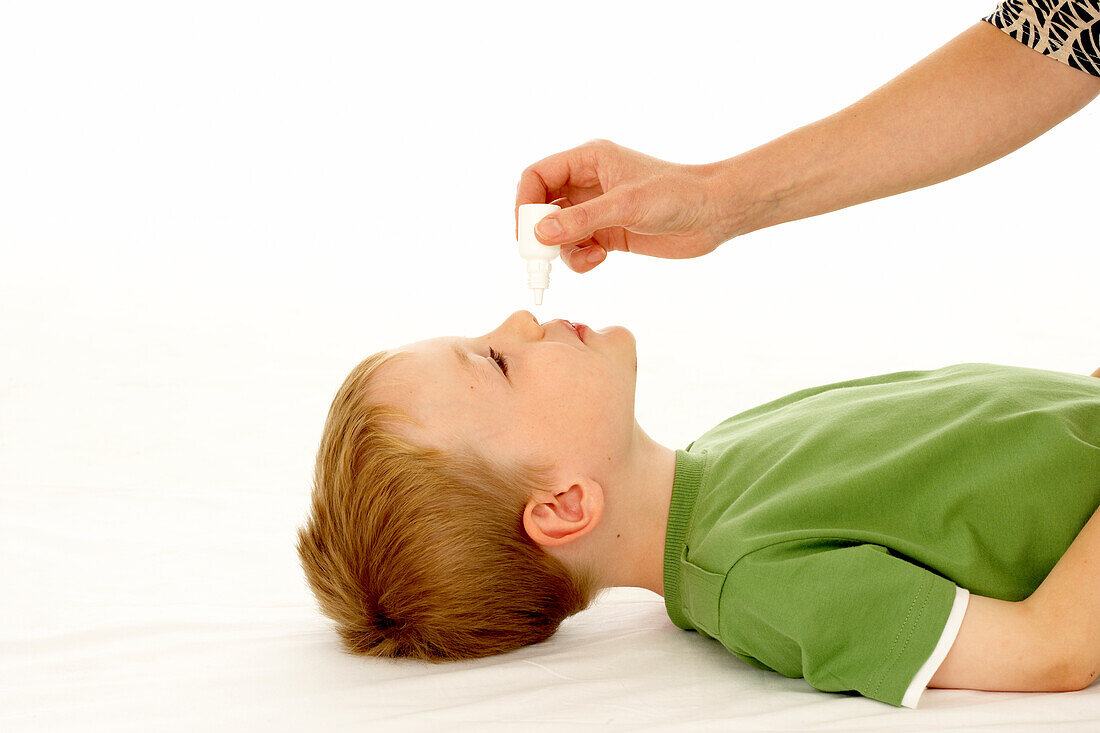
419	552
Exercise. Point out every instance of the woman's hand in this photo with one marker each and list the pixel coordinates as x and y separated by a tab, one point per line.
614	198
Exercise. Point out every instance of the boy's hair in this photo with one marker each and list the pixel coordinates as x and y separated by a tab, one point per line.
419	552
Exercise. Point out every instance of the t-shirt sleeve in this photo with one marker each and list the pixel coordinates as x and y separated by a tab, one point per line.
847	617
1065	30
947	639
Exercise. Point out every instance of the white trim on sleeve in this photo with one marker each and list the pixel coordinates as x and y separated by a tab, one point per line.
950	631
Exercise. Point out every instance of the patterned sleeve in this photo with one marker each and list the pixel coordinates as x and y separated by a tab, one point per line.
1066	30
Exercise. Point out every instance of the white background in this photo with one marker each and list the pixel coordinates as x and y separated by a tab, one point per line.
211	211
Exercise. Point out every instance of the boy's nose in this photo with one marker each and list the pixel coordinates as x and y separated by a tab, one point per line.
519	324
526	314
521	317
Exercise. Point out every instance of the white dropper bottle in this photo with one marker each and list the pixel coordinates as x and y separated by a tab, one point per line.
537	254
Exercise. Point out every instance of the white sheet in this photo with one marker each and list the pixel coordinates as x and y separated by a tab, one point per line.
141	610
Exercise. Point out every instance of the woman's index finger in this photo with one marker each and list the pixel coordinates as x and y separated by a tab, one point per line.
545	180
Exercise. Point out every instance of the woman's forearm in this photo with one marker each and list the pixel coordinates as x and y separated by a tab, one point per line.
977	98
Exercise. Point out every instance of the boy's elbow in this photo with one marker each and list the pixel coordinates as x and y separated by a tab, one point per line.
1069	667
1079	676
1072	663
1015	646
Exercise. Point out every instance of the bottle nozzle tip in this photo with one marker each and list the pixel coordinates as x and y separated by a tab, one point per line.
538	296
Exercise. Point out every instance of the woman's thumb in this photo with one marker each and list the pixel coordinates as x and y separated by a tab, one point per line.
577	223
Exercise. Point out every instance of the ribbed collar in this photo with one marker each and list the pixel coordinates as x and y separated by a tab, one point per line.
686	479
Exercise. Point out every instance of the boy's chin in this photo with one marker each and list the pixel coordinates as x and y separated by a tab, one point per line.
613	330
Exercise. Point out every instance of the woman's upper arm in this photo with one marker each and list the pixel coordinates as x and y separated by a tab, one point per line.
1031	74
1002	645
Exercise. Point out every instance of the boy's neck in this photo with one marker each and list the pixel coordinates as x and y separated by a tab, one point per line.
634	555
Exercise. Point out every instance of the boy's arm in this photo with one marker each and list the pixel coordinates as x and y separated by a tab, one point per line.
1002	645
1045	643
1067	602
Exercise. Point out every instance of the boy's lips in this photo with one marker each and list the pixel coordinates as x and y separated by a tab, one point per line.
579	328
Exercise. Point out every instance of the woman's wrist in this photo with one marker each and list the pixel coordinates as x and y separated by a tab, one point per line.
750	191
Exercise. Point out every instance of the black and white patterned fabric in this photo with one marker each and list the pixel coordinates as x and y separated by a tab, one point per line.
1066	30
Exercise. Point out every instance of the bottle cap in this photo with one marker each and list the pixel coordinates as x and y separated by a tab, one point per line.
537	254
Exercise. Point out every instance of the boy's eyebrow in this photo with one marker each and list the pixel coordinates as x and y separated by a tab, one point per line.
467	363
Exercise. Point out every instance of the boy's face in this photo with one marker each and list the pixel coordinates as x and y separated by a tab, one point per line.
564	398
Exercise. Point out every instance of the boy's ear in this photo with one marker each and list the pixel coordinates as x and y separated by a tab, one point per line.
565	516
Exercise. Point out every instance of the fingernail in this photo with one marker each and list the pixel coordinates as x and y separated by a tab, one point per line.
595	255
549	228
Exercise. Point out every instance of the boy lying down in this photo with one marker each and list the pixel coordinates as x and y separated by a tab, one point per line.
880	535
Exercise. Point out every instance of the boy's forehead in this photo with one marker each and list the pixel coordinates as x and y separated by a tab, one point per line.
431	361
428	383
433	354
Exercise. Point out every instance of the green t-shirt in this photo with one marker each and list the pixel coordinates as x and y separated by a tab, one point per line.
822	535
